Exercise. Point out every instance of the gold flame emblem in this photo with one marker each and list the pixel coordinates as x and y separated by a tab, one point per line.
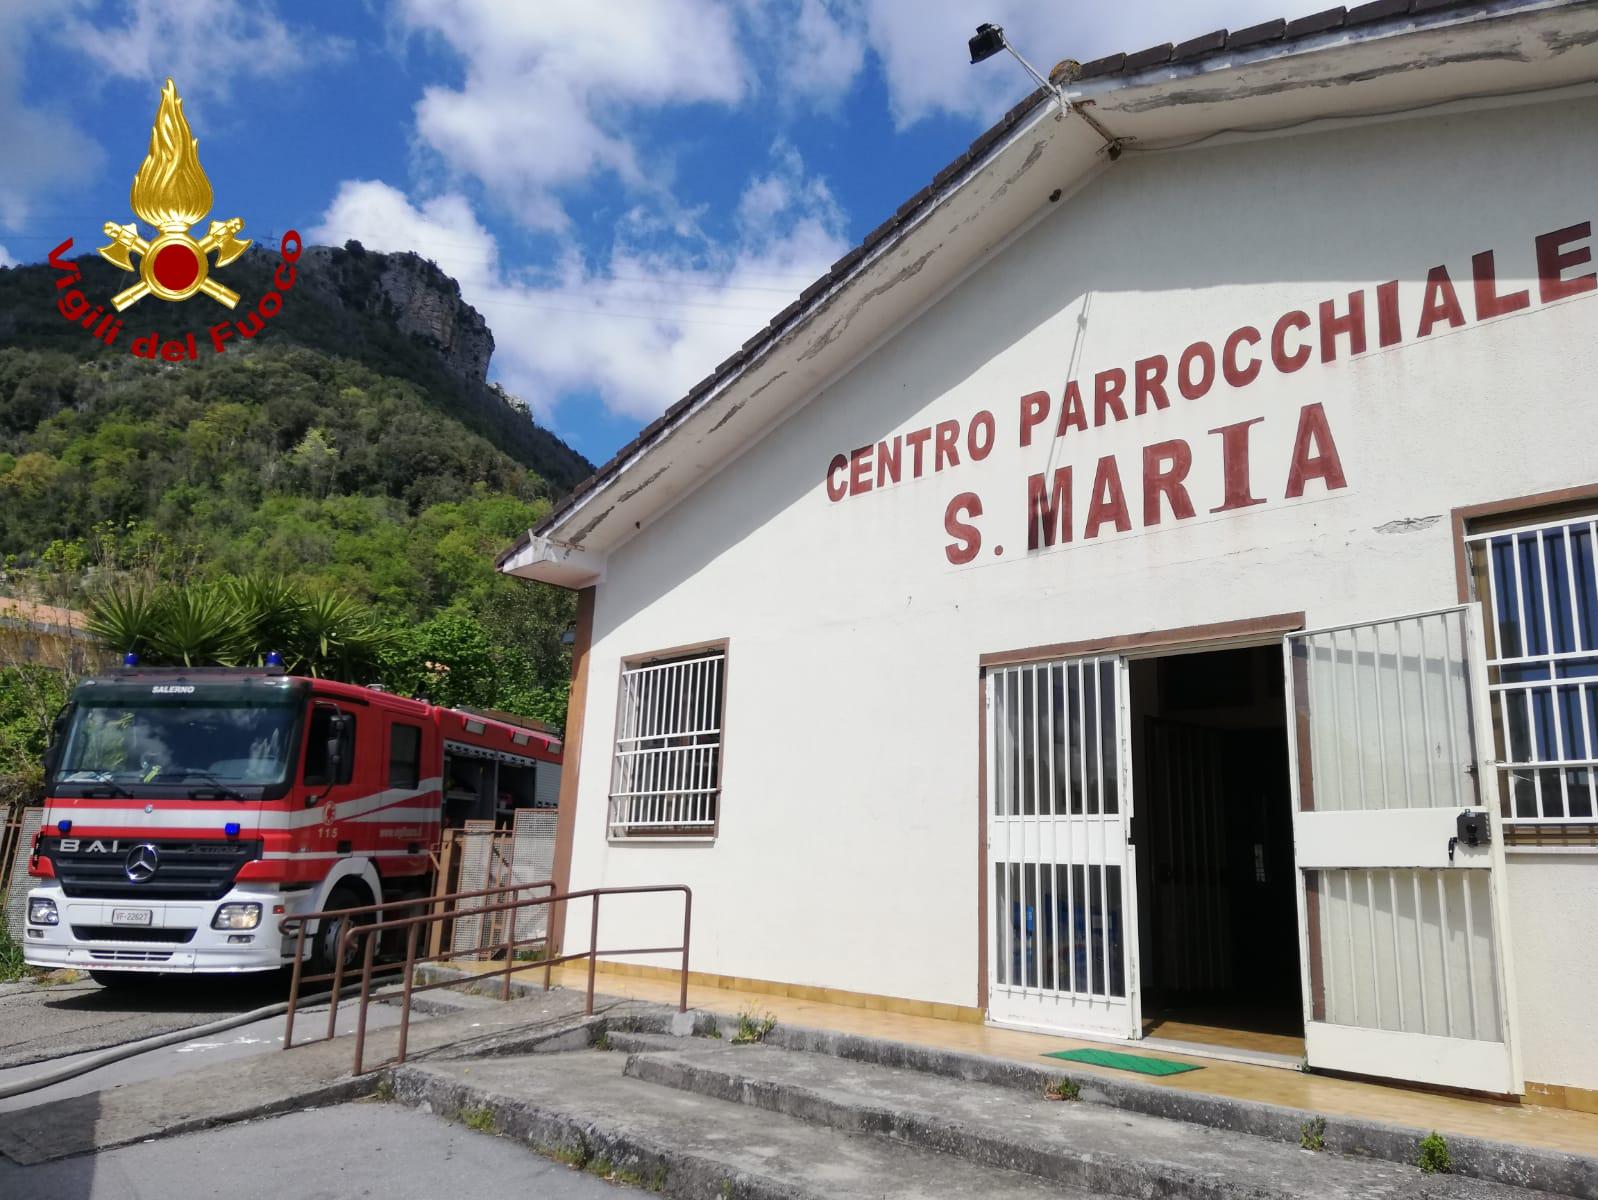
172	193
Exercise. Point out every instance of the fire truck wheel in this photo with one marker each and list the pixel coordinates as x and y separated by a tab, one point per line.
124	980
325	946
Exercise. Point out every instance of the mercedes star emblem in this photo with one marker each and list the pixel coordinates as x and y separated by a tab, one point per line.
141	862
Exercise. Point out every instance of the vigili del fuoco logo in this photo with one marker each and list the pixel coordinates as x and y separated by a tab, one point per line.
172	194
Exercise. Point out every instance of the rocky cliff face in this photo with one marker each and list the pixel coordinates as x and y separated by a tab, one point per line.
397	313
414	294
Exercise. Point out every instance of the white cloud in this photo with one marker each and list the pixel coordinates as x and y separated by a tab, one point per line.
443	229
205	45
921	46
5	258
643	329
807	52
550	89
42	151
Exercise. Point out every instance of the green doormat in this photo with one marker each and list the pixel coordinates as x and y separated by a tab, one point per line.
1139	1063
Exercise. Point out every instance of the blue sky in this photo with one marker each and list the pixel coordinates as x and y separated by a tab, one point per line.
626	189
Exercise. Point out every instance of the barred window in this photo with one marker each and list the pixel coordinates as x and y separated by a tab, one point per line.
666	780
1539	586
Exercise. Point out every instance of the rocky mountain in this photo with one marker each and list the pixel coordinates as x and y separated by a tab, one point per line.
344	441
397	314
410	291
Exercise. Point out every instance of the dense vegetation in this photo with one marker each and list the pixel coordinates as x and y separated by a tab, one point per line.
332	453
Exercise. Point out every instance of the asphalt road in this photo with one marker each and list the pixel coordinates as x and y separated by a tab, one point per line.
258	1037
353	1150
38	1022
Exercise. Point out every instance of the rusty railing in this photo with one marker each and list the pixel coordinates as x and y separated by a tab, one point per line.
413	925
302	921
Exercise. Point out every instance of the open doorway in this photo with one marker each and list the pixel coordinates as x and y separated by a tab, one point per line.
1217	912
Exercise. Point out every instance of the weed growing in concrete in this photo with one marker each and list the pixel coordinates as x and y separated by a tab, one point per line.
1062	1088
602	1042
753	1026
714	1031
1312	1134
1433	1158
480	1118
575	1157
725	1189
383	1093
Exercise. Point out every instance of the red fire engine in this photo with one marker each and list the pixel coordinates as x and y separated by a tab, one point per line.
189	812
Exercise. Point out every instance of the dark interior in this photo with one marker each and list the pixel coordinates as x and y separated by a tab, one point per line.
1217	913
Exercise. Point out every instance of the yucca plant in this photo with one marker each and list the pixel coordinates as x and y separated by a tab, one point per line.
127	617
199	626
239	621
268	608
337	635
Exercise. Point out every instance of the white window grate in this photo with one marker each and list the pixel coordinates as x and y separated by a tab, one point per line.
667	774
1541	585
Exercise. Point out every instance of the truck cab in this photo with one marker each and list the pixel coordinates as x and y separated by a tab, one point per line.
188	812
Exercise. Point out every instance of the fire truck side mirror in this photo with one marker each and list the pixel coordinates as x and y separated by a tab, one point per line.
52	751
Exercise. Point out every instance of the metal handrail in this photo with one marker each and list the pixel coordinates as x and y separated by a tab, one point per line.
301	920
414	924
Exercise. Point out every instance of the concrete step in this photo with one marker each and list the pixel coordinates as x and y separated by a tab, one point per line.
582	1108
316	1073
1089	1146
445	1002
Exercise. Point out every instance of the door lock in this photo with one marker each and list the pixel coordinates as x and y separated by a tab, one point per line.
1472	828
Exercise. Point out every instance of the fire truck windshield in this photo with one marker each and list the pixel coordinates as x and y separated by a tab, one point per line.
197	743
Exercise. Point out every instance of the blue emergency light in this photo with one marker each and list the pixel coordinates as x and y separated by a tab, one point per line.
64	826
130	659
231	829
274	659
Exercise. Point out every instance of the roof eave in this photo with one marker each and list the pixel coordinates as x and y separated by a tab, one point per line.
1163	100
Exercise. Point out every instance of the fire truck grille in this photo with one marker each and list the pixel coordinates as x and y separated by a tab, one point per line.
122	933
184	870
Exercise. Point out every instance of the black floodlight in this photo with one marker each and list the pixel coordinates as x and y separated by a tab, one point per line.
989	40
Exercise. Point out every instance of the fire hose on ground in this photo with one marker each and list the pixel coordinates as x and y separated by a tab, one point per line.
114	1054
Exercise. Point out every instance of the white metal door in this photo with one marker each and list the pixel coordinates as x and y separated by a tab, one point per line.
1061	922
1401	921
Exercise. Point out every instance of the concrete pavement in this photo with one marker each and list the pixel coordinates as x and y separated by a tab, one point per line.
350	1150
269	1084
39	1022
812	1114
258	1037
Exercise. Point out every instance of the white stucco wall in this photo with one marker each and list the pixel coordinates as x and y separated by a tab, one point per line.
1552	897
849	820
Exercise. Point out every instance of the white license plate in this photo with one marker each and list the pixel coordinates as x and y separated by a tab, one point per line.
130	916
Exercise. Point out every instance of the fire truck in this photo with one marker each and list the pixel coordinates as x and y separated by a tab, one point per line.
188	812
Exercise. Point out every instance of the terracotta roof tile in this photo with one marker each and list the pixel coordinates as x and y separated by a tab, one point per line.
1256	35
1110	64
1199	46
1378	10
1144	59
1331	18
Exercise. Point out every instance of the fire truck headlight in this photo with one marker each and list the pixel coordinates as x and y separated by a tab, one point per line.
42	912
237	916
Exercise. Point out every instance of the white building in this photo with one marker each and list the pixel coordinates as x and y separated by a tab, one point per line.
1150	583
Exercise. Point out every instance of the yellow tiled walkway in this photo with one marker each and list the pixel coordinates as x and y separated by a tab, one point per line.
1559	1129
